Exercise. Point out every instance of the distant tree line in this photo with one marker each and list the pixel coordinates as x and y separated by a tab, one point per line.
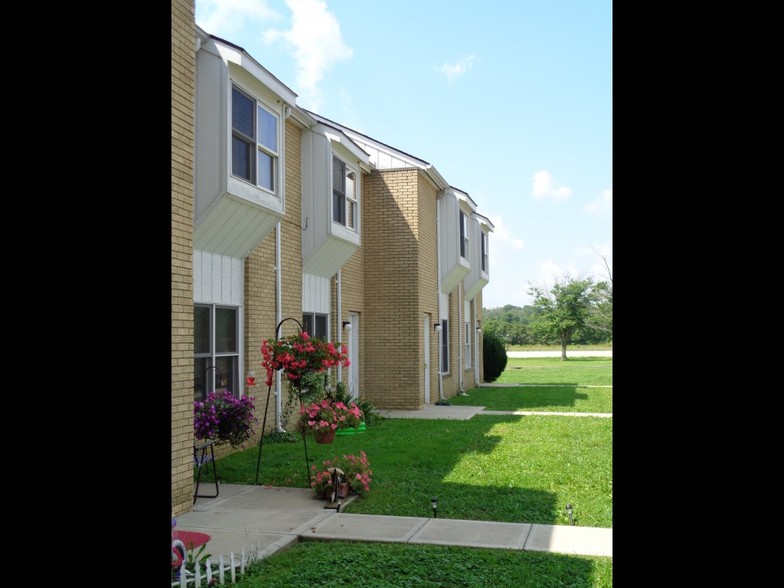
573	311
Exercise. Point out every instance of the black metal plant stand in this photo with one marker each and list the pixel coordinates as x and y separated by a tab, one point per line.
266	408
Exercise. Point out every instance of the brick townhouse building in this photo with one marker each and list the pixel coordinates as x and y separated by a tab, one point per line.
279	213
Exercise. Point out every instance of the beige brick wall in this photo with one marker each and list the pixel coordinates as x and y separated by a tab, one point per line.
428	279
183	64
392	227
260	283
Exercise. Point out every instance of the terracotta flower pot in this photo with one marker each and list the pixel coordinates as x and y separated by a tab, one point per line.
324	437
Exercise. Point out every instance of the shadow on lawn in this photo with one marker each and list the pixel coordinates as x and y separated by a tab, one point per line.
522	397
443	461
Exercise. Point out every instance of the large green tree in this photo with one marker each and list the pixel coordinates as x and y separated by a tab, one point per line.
565	308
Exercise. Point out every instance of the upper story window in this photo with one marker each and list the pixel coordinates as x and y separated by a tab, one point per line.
254	141
344	194
464	250
484	252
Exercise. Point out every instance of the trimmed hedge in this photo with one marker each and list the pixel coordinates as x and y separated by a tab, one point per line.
493	356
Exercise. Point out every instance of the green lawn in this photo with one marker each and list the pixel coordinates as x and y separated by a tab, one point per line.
540	398
576	371
339	564
499	468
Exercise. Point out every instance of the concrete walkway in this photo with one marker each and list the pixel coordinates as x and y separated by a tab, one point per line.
266	519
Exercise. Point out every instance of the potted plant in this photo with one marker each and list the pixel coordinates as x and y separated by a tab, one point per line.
356	475
325	417
225	418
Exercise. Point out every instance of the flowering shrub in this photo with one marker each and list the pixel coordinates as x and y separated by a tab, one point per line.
327	415
300	354
356	471
224	418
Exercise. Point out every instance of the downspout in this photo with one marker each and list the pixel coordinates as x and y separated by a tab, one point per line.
438	292
278	318
339	326
460	331
477	336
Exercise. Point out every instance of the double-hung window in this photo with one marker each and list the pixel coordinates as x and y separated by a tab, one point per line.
484	252
445	346
254	141
464	250
344	194
216	349
315	324
468	355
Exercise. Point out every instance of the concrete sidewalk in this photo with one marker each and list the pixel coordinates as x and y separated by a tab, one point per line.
266	519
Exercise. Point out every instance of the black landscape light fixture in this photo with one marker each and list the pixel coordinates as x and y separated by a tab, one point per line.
437	327
434	506
347	325
569	512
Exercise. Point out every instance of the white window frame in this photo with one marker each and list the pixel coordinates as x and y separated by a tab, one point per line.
227	362
465	249
310	318
444	343
468	353
261	149
485	244
344	193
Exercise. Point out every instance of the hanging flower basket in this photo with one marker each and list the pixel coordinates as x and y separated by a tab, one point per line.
299	355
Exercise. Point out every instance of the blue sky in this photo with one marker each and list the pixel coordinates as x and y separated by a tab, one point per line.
511	101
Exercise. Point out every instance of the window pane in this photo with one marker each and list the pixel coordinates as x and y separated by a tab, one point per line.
199	378
241	113
339	208
321	327
268	130
240	159
445	346
338	179
350	189
225	330
307	323
227	377
201	329
266	171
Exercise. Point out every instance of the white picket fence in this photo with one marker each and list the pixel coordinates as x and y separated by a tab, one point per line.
225	570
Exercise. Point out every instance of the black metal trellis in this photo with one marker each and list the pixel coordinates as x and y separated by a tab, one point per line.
266	408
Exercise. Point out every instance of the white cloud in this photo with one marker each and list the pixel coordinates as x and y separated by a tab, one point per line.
503	237
455	70
551	272
544	186
317	44
223	18
602	203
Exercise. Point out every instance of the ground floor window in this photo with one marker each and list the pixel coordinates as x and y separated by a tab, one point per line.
216	341
445	346
316	325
